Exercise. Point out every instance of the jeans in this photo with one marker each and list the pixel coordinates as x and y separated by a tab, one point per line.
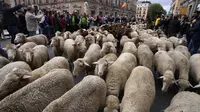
195	46
13	30
32	33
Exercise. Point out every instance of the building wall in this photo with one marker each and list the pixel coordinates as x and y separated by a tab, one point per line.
142	10
94	6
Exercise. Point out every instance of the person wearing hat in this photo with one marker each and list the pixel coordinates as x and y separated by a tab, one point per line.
32	20
195	34
10	21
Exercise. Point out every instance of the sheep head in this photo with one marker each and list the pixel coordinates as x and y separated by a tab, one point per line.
183	84
15	80
11	50
55	42
28	54
112	103
79	66
168	80
20	38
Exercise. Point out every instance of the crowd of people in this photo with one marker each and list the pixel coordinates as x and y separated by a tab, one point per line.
182	26
27	20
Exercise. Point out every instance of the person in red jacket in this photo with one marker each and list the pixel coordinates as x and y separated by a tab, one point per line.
62	23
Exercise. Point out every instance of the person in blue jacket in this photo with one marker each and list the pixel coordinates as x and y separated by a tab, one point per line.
10	20
195	35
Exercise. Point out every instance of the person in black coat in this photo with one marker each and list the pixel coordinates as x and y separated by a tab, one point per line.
185	26
10	20
174	27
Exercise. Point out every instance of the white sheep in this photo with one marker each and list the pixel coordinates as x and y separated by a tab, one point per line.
67	35
87	96
13	81
125	39
99	38
38	39
130	47
27	45
104	63
14	54
118	73
37	95
184	50
139	92
5	71
108	47
194	68
182	66
36	56
169	45
54	63
166	67
184	102
69	50
176	41
89	39
80	46
110	38
3	61
58	33
145	56
57	44
93	54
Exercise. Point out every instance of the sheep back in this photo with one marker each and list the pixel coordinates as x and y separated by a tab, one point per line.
139	91
87	96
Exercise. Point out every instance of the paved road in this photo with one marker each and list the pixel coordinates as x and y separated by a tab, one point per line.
161	102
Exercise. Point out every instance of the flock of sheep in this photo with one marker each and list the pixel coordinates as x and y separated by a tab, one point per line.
32	82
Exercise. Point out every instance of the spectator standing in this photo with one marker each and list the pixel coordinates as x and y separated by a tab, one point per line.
22	21
195	37
56	22
157	23
32	21
10	21
174	27
83	21
62	23
185	26
75	21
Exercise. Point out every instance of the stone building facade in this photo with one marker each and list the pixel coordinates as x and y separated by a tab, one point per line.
91	7
142	9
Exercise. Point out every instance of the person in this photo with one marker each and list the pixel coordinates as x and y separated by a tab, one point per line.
62	23
185	25
157	23
195	37
75	21
174	27
32	21
83	21
10	21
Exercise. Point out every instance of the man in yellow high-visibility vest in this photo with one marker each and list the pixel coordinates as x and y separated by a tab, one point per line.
157	22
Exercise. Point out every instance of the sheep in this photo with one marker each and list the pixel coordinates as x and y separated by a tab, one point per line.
139	92
13	81
37	56
92	55
27	45
169	45
67	35
37	95
125	39
69	50
54	63
104	63
58	33
9	67
3	61
14	54
38	39
99	38
57	44
184	50
184	102
110	38
194	68
108	47
112	104
118	74
80	46
182	66
89	39
130	47
145	56
87	96
166	67
176	41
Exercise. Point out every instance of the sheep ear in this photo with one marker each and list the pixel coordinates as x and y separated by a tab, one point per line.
86	64
190	85
95	63
110	62
162	77
18	45
26	77
176	82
